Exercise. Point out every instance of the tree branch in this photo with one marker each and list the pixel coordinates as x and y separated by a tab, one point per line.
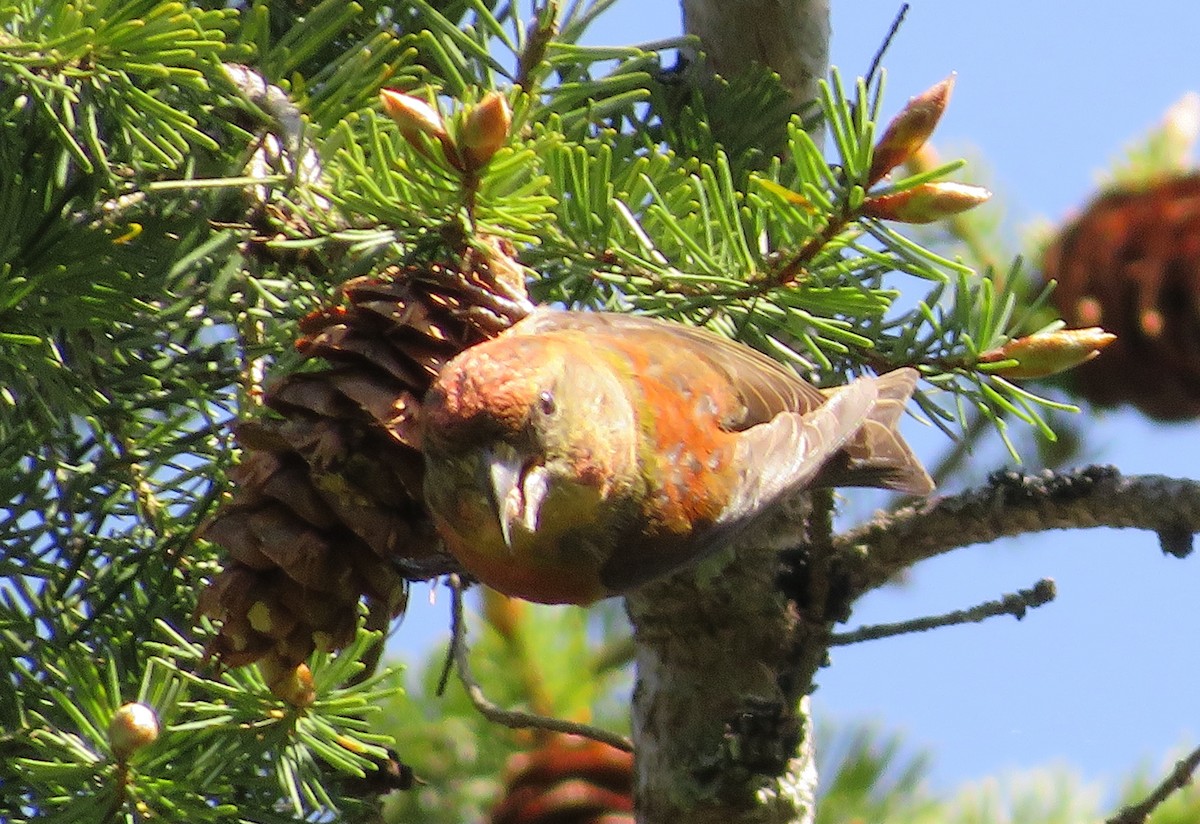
719	734
1013	503
511	718
1178	778
1015	604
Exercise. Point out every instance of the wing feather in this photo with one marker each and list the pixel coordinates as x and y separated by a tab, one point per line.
780	458
766	386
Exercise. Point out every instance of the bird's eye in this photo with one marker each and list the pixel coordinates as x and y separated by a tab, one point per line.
546	404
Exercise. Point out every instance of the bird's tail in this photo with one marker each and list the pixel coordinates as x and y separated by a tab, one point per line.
877	455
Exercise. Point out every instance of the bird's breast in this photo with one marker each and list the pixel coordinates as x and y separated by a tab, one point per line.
686	451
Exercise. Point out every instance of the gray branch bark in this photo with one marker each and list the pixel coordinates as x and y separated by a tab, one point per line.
720	733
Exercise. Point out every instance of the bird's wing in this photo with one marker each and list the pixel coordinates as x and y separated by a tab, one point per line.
782	457
765	386
878	455
874	455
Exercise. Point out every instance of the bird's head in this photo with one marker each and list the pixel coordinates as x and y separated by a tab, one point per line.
527	432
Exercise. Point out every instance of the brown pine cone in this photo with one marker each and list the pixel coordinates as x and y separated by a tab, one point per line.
568	780
1131	264
328	504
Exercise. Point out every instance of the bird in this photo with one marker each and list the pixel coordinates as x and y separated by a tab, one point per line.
581	454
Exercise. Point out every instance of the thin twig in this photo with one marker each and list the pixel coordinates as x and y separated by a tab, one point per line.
522	664
1012	503
1178	778
897	21
511	718
1015	604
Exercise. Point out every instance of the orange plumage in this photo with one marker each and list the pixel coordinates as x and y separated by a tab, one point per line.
581	454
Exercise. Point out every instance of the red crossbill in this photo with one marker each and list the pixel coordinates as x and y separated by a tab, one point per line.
581	454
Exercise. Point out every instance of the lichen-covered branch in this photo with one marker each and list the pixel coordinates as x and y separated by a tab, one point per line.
717	729
720	731
1013	503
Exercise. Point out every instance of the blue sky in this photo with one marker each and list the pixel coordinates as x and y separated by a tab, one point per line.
1104	678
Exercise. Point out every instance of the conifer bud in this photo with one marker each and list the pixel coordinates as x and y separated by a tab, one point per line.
484	130
910	129
415	117
925	203
1048	353
133	726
